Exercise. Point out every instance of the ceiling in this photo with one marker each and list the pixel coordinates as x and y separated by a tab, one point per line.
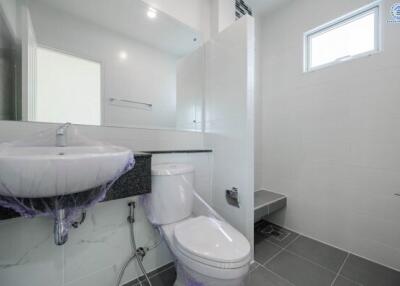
265	6
129	17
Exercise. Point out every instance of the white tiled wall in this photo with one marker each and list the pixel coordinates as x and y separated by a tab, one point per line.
92	256
331	137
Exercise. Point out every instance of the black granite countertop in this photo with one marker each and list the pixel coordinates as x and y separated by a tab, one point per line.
179	151
135	182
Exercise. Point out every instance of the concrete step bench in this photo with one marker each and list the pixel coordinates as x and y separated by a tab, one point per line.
266	203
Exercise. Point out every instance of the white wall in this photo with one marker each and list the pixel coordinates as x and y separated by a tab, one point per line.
226	14
258	122
137	139
132	78
229	120
331	137
222	15
8	9
190	77
194	13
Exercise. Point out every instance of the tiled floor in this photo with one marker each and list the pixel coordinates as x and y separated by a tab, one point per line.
284	258
164	276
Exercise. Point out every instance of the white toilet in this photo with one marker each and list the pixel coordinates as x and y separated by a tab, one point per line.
209	252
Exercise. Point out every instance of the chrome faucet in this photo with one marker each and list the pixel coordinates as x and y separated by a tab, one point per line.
61	135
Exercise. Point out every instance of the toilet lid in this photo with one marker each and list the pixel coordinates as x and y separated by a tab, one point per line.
211	240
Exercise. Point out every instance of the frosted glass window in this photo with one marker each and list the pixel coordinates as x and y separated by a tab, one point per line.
352	36
68	89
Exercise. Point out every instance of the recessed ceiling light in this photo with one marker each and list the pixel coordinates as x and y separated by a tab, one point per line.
152	13
123	55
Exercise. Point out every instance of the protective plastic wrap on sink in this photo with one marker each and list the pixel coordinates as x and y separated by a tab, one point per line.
72	203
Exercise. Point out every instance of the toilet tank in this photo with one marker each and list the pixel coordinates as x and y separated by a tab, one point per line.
171	197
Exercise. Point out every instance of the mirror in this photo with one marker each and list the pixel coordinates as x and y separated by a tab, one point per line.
99	62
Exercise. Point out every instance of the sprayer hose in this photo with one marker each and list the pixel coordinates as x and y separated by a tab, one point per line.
138	259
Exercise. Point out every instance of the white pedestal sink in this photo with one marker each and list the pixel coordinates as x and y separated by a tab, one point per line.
39	172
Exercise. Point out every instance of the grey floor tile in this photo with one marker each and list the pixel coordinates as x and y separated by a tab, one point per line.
263	277
300	271
325	255
341	281
369	273
258	237
151	274
264	250
166	278
254	266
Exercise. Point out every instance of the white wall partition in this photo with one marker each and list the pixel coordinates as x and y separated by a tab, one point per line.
331	137
229	120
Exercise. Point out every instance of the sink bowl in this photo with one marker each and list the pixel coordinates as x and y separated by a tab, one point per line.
39	172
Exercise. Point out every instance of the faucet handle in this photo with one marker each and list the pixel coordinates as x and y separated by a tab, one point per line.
61	129
61	140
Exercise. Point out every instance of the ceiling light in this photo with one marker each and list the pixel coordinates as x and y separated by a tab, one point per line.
123	55
152	13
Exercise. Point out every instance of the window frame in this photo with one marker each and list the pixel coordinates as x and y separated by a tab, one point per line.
372	8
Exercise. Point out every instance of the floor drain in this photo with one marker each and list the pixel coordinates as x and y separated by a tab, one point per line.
272	231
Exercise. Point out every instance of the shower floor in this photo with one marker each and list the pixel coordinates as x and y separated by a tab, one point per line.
285	258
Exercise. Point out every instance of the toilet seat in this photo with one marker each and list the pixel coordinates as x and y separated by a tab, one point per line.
211	242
